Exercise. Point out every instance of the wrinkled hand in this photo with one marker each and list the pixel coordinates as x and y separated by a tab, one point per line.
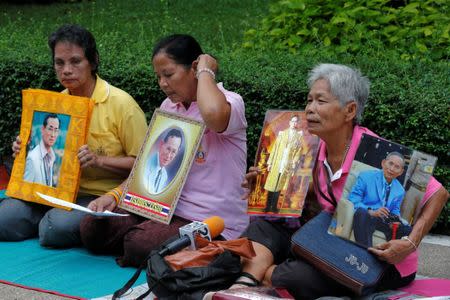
102	203
16	146
88	158
381	212
393	251
207	61
249	180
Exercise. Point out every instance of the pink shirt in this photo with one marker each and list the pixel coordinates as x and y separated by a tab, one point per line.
409	264
213	185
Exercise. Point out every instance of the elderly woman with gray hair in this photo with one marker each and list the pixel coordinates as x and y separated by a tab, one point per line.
335	105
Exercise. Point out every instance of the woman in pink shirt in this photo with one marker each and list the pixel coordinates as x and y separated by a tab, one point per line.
213	185
335	105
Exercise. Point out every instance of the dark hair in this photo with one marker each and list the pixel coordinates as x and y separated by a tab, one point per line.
75	34
50	116
182	48
173	133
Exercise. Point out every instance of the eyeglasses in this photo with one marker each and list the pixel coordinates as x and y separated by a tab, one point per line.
51	129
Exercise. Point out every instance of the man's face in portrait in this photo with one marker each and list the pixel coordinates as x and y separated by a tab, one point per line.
392	167
293	123
50	132
168	150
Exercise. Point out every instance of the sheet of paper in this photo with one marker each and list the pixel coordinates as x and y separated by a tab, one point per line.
60	202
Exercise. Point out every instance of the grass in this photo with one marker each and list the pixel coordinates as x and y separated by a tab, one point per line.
128	28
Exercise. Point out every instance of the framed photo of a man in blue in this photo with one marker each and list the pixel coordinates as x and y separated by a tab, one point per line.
162	166
383	194
45	149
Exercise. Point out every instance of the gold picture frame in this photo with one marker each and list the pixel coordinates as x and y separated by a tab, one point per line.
56	124
162	166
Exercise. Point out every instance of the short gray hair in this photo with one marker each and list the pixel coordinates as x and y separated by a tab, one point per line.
346	84
398	154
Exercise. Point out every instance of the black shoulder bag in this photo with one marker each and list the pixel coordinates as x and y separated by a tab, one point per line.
218	271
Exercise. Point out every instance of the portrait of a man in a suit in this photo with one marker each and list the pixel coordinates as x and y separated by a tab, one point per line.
377	197
282	161
40	161
156	177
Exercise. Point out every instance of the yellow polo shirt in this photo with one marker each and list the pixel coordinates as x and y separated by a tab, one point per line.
118	127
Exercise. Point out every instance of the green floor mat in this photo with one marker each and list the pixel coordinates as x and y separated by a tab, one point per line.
72	272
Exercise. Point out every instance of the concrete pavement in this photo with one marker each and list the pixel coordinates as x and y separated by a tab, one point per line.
434	257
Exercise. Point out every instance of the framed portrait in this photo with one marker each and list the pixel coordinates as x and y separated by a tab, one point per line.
53	127
286	155
383	193
161	168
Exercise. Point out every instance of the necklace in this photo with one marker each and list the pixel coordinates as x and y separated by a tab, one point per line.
336	175
347	147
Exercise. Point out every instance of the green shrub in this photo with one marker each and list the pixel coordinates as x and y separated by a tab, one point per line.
415	29
408	103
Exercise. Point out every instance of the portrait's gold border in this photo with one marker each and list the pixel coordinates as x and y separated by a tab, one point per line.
79	109
144	205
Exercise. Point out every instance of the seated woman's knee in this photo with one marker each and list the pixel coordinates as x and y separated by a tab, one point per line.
56	229
48	231
18	220
90	228
134	250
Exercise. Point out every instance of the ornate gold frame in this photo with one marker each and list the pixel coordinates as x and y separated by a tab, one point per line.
79	109
161	206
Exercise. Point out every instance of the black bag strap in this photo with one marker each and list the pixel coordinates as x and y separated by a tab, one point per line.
119	293
150	289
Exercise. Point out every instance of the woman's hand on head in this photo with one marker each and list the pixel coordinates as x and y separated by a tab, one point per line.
102	203
212	103
206	61
249	180
88	158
